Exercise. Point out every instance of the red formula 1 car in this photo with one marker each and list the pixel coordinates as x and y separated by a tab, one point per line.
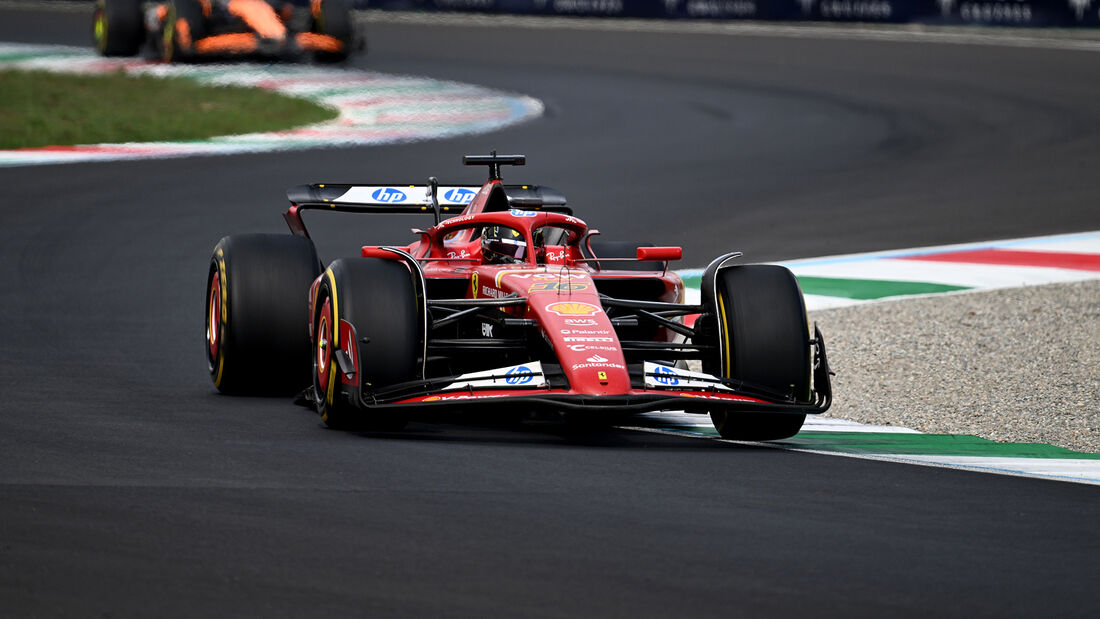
513	306
219	29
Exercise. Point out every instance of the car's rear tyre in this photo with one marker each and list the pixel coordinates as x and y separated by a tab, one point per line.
378	299
184	24
334	18
762	315
117	27
257	315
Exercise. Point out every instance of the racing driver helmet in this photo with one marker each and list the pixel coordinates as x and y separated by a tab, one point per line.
502	245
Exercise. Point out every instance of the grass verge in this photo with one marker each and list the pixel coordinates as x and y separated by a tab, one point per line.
50	109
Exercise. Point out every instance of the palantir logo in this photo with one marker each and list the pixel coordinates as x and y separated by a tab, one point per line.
665	375
388	195
519	375
460	195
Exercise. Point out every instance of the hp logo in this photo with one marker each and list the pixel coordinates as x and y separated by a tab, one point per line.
666	376
388	195
519	375
460	195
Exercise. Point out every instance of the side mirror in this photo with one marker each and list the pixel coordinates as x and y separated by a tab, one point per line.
660	254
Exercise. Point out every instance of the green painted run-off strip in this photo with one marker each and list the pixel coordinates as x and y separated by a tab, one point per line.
18	57
906	444
869	288
861	289
886	443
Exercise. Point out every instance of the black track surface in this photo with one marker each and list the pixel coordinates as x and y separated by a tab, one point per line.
128	487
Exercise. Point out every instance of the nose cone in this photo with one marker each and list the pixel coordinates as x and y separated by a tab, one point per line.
584	340
567	306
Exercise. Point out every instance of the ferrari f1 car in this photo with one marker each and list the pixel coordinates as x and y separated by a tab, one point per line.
511	305
193	29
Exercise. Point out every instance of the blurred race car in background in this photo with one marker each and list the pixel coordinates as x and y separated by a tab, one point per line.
512	306
182	30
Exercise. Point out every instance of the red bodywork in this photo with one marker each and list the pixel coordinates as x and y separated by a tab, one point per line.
561	290
559	285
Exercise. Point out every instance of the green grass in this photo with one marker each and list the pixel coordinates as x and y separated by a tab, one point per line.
50	109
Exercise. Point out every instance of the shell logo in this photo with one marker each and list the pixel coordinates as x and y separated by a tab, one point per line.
572	308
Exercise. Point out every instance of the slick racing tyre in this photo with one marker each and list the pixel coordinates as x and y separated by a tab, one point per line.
117	27
183	24
257	314
621	249
377	299
334	18
761	315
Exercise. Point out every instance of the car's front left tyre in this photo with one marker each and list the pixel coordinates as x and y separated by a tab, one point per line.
376	299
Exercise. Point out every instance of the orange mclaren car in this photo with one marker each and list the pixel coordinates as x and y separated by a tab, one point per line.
180	30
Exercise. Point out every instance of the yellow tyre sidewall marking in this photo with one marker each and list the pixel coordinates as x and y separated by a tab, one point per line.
224	316
101	27
335	329
725	337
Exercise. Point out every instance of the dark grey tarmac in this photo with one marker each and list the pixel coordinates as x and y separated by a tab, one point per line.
129	488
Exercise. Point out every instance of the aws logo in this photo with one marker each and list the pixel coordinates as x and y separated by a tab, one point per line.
389	195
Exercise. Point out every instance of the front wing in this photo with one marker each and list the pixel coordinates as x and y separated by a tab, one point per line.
636	401
488	390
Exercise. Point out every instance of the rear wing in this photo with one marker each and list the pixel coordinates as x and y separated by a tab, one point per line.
382	198
429	199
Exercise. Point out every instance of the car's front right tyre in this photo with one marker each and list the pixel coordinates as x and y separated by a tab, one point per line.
334	18
760	325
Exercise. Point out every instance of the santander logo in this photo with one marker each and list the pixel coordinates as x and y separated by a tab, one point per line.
596	359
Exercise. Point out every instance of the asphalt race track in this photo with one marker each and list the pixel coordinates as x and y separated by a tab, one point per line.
129	487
